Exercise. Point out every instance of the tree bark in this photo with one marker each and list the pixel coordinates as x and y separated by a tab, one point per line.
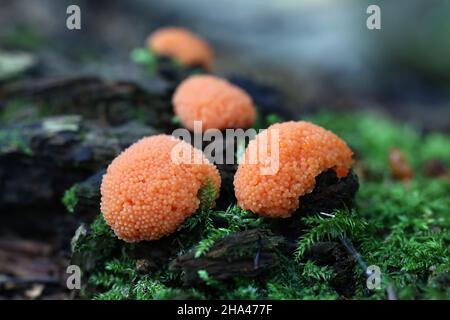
40	160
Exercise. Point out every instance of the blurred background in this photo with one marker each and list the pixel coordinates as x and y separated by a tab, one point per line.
319	53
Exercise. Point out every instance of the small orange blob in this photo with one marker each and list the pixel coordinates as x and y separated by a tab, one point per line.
399	165
215	102
183	45
304	151
146	195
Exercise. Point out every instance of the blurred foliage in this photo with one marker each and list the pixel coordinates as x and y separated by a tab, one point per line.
408	235
371	137
13	141
23	37
145	57
70	199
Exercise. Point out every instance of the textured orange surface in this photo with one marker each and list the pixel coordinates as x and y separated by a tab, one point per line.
215	102
183	45
305	151
145	195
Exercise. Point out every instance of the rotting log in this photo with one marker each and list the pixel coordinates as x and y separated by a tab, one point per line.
40	159
250	253
246	253
114	102
330	193
334	255
87	195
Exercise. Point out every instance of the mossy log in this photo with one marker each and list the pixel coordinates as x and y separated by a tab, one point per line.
113	102
246	253
334	254
330	193
83	198
243	254
40	160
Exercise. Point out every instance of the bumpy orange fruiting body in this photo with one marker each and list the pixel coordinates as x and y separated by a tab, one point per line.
146	195
183	45
215	102
304	151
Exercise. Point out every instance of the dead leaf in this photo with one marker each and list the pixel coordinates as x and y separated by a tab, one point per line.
399	165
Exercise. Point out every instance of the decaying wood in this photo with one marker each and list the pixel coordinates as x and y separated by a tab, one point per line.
115	102
87	194
227	194
77	87
28	267
334	255
26	247
330	193
246	253
27	259
40	160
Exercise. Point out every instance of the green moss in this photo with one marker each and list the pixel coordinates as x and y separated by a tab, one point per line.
145	57
409	234
203	274
391	202
273	118
14	141
201	219
140	114
207	196
119	279
20	109
235	219
404	229
23	37
95	245
244	289
435	146
341	224
12	110
175	120
70	199
262	122
304	282
371	137
150	60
